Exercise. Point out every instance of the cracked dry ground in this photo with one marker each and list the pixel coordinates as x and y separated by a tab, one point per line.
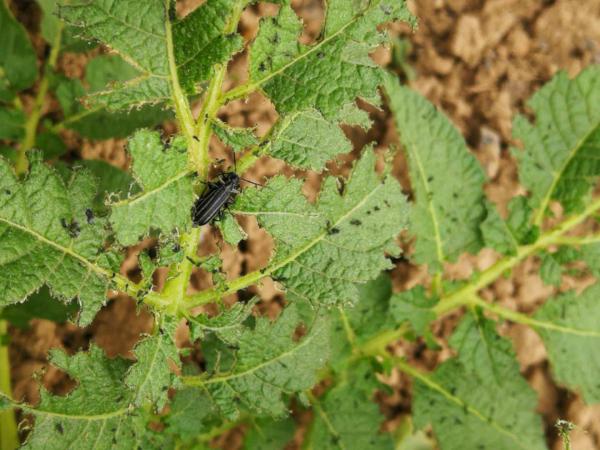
479	60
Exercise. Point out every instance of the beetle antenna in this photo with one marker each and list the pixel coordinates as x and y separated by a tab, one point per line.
252	182
234	162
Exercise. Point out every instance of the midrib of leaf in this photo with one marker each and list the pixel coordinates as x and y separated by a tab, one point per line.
143	383
122	283
198	137
316	404
245	89
407	368
535	323
199	381
556	236
350	334
182	106
156	190
251	278
557	176
438	238
62	249
74	118
488	348
36	411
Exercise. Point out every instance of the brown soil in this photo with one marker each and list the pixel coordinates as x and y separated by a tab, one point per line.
478	60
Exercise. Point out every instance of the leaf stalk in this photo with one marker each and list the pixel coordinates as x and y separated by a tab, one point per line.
31	125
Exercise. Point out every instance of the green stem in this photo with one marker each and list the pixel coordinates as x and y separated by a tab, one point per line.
578	240
22	164
198	135
175	289
183	111
203	127
481	280
377	344
449	302
524	319
9	438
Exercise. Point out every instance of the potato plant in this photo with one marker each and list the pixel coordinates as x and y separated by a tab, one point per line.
65	227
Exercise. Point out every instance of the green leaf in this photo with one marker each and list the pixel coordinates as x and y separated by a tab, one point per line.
111	180
572	338
231	230
496	233
591	255
190	413
236	138
136	30
322	250
371	314
368	317
559	161
200	41
269	434
307	140
51	144
550	270
12	124
151	377
51	26
9	153
40	305
47	238
97	122
166	200
331	73
506	236
479	399
351	114
95	414
519	220
347	417
269	364
414	306
446	180
18	61
142	33
227	325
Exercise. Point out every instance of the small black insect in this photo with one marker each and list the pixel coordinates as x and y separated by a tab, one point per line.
217	196
72	227
89	215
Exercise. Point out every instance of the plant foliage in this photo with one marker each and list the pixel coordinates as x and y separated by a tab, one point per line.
65	228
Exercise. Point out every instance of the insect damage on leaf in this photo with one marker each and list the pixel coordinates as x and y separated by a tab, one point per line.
446	179
340	58
479	398
558	160
347	417
167	195
48	240
151	376
165	54
268	364
572	339
95	413
96	122
322	250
